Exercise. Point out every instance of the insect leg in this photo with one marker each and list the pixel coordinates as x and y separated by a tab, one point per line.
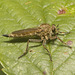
30	40
44	42
53	37
63	33
63	42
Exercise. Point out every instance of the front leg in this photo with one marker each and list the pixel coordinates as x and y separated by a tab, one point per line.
64	42
55	37
30	40
64	33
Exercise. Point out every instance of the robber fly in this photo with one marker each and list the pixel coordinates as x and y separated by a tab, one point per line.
44	31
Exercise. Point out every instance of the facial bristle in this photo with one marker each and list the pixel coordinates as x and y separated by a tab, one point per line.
6	35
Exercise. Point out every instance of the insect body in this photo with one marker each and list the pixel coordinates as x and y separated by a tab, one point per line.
44	31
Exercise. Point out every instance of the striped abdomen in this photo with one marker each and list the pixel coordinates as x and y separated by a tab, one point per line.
22	33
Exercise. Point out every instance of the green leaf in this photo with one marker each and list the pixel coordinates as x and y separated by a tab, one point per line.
22	14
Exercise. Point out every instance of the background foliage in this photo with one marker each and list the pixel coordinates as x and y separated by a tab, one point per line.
21	14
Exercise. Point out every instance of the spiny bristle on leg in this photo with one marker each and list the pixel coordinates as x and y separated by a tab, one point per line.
6	35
